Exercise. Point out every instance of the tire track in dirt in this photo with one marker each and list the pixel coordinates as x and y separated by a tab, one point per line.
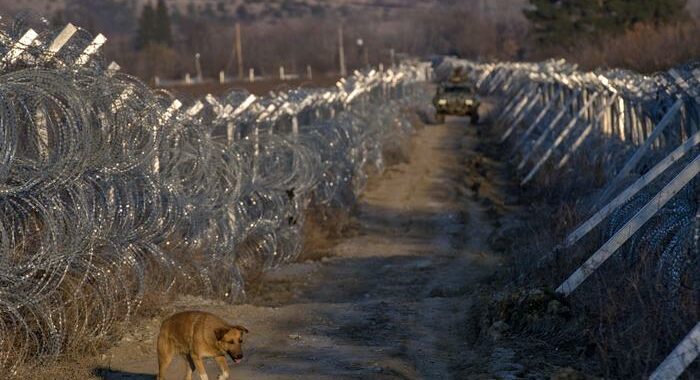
389	303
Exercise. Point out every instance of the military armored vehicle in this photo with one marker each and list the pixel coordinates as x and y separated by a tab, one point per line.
456	97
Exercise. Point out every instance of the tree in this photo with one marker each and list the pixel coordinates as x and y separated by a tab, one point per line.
191	9
162	31
208	11
318	10
110	17
154	26
145	34
242	12
561	22
221	8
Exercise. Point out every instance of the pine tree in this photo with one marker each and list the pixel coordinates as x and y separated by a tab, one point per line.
162	31
145	34
558	22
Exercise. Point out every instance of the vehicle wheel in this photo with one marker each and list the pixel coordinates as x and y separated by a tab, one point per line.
440	118
474	118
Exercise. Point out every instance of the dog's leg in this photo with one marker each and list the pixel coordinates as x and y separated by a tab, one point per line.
190	367
223	366
200	368
165	356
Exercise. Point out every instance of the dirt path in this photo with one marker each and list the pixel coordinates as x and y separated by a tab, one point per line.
389	303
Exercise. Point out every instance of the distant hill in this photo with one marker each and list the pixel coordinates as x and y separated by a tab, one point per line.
269	10
116	16
297	33
259	9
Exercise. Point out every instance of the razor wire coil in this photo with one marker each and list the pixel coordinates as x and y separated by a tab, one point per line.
109	190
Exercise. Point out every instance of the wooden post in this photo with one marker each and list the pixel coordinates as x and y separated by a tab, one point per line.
222	77
282	77
91	49
251	75
20	46
239	51
60	40
309	73
195	109
341	52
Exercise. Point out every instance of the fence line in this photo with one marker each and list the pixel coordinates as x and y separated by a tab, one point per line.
635	125
110	190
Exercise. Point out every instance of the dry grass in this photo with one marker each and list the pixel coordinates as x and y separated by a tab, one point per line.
323	228
645	48
625	329
630	322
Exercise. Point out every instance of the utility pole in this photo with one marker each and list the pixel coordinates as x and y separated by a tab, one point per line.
198	67
341	52
363	50
239	51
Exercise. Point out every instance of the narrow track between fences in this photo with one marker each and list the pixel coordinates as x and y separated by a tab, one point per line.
389	301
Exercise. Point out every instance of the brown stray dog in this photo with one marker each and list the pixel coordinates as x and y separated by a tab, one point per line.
197	335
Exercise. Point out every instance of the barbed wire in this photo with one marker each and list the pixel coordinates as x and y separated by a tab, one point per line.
109	190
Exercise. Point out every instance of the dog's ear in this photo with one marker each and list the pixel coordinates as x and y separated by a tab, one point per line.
220	333
240	328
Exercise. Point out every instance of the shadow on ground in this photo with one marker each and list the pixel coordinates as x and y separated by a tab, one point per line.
108	374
